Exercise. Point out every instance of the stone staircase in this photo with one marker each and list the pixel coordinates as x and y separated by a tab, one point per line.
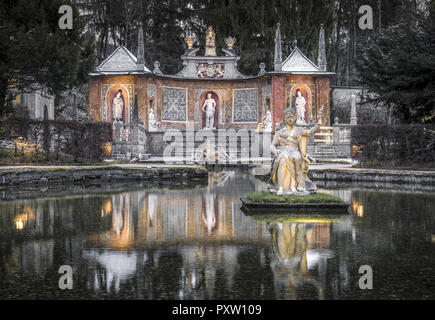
329	151
231	149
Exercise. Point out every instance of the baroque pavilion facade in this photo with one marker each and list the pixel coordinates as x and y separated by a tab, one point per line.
122	89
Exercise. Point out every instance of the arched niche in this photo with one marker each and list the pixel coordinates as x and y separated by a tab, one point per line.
219	104
307	94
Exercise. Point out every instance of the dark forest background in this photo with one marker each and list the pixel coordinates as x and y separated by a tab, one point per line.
395	61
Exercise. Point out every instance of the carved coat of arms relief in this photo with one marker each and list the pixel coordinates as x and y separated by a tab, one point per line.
210	71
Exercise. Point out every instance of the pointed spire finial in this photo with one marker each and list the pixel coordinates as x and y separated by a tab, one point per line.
278	49
321	61
140	63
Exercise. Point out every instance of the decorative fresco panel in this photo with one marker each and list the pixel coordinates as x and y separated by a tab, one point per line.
174	104
245	105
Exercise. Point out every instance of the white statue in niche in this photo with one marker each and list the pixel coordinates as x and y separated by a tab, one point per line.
300	104
153	124
118	107
209	108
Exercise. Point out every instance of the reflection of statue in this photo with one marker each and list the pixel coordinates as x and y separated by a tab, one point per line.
152	208
209	108
290	263
153	124
209	214
122	223
118	106
300	104
210	45
220	179
210	153
291	161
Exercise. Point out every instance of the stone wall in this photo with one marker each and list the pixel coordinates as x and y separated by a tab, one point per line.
129	141
22	177
155	145
35	102
374	175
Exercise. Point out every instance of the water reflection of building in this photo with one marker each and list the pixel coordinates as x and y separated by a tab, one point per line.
35	219
149	219
207	227
177	217
185	244
205	234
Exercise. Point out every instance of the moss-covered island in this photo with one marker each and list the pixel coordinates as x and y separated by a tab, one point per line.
268	197
267	203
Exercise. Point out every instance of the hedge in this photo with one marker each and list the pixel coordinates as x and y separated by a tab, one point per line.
407	144
80	140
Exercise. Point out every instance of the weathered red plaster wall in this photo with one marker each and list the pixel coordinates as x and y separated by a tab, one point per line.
140	88
95	99
226	86
319	87
278	98
95	95
141	83
323	89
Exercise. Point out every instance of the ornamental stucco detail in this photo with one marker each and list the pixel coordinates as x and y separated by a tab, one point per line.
245	105
174	104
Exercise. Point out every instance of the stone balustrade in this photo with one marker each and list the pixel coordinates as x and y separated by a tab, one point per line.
129	140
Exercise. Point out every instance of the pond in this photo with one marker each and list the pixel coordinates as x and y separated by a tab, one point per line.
140	242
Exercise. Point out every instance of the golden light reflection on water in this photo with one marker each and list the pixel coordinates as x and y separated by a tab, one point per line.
107	208
358	208
21	220
19	224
